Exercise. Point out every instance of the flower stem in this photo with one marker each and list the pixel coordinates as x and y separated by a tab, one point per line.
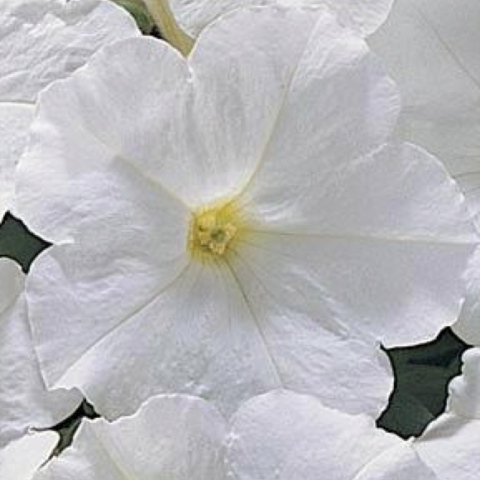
169	29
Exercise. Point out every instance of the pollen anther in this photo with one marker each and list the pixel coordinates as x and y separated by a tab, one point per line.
212	231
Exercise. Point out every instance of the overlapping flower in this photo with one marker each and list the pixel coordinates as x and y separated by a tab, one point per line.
235	223
451	444
236	235
363	16
40	41
430	48
24	400
280	435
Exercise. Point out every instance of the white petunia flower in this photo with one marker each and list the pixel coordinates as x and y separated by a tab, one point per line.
277	436
42	41
173	437
235	222
24	401
21	459
286	436
431	49
451	444
364	16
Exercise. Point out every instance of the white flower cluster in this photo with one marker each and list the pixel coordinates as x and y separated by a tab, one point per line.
238	226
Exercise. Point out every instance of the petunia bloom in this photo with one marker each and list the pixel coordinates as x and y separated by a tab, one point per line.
431	50
21	459
235	222
451	444
277	436
364	16
285	436
175	437
42	41
24	400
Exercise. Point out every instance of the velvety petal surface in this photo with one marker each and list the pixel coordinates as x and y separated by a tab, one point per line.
21	459
24	400
451	444
364	16
284	436
174	437
374	235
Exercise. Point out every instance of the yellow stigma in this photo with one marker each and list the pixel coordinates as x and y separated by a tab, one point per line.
212	231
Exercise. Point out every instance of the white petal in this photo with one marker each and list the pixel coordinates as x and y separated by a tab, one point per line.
129	339
243	68
24	400
174	437
42	41
433	43
451	444
14	122
193	336
309	346
12	282
340	105
286	436
71	180
430	48
130	245
216	115
45	40
386	238
467	327
22	458
464	398
364	16
106	118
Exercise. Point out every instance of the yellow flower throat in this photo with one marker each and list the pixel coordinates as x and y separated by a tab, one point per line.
212	231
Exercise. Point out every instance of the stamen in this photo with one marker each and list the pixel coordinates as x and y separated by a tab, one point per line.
212	231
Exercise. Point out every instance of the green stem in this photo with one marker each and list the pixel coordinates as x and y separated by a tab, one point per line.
169	29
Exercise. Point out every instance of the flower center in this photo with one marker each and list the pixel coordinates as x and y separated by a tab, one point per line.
212	230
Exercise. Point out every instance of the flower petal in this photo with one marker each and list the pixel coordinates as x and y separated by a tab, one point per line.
196	334
282	435
339	107
310	347
21	459
364	16
450	445
467	327
386	237
212	135
192	335
44	40
306	87
71	179
85	127
14	122
427	43
24	401
130	245
242	81
174	437
433	43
